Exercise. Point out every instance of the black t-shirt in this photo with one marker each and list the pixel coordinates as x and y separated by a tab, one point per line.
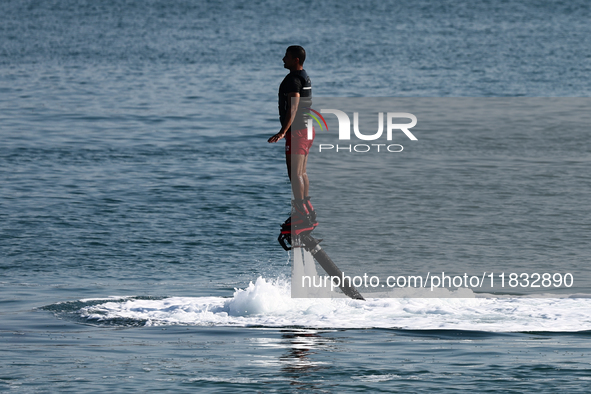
295	82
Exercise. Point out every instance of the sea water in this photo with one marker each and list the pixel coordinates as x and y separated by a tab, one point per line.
140	201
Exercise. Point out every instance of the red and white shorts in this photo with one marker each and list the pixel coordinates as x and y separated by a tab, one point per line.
297	142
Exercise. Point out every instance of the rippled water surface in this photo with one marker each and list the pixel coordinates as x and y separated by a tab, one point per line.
139	198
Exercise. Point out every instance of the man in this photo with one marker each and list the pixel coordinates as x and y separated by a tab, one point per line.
295	99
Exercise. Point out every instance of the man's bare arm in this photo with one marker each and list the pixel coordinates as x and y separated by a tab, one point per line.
295	101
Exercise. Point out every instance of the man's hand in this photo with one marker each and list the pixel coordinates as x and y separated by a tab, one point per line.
276	137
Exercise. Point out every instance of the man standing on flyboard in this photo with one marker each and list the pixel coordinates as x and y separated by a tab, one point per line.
295	99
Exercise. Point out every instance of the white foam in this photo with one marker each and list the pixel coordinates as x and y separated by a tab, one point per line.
269	304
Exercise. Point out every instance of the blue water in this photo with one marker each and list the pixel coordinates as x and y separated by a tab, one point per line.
133	156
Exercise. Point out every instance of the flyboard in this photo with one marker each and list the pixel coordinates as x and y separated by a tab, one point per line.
290	238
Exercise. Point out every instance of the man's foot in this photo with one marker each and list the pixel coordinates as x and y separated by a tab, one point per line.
300	218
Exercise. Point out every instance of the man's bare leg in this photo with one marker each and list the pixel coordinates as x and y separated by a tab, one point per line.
296	170
305	177
300	184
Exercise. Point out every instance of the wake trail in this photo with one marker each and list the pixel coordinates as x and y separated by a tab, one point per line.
268	303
